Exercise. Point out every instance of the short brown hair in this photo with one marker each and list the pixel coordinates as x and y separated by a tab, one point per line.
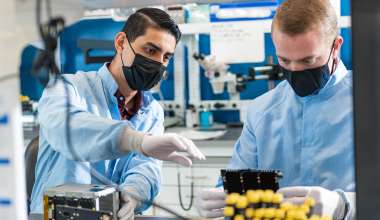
138	22
295	17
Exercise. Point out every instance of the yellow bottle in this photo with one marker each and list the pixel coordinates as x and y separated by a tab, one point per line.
286	206
314	217
239	217
269	213
280	213
259	213
231	199
249	212
277	199
267	198
291	214
305	208
300	215
229	212
241	202
253	199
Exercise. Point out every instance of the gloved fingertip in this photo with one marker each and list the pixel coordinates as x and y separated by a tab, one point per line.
182	160
184	163
187	163
201	155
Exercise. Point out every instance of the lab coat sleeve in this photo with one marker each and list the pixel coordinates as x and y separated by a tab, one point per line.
144	173
93	138
245	151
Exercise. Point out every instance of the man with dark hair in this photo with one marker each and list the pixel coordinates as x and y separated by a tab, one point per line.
116	125
304	126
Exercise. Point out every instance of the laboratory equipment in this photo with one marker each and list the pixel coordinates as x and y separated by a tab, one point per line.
218	74
242	180
205	118
260	204
80	201
222	79
271	73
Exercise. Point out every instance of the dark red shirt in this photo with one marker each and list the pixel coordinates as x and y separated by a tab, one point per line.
126	113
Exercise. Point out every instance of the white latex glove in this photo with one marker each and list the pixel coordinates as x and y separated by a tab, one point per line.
167	147
327	203
210	202
128	204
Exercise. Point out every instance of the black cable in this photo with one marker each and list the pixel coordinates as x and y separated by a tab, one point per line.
46	61
180	194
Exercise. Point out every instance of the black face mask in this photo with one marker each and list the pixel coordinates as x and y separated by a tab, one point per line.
310	81
144	73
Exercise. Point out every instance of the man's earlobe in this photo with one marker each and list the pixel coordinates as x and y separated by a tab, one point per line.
121	46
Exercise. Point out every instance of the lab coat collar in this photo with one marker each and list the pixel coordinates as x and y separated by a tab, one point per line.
340	72
328	90
107	79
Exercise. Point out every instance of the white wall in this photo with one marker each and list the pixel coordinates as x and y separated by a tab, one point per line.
18	27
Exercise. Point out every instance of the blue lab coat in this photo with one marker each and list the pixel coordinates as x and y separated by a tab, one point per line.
310	139
96	129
